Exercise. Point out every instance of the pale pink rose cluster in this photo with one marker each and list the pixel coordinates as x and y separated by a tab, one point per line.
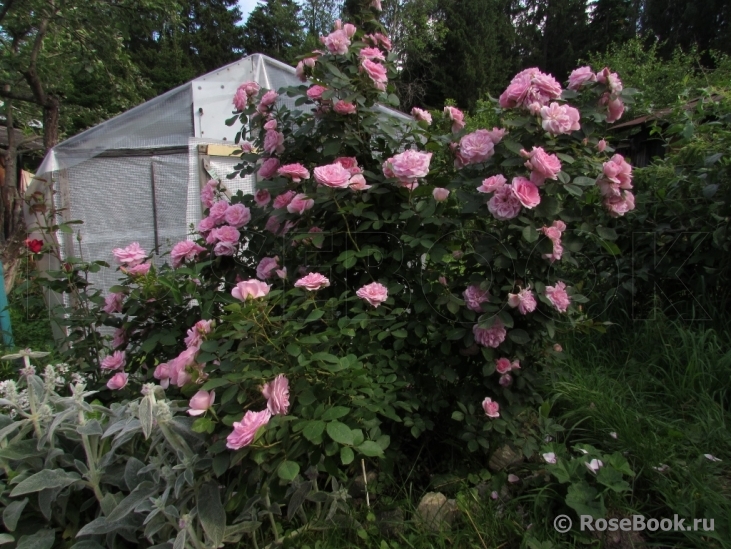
491	408
186	250
221	227
503	366
508	200
253	288
558	119
312	282
245	95
208	193
477	147
530	89
357	181
615	185
179	371
268	168
609	99
376	72
273	142
130	256
113	303
492	336
115	361
408	167
456	116
503	204
277	394
338	41
195	335
542	165
374	54
474	297
307	62
420	115
374	293
378	40
266	103
558	296
524	300
554	233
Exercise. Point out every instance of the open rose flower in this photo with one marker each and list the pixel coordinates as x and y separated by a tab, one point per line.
376	72
296	172
420	115
332	175
200	402
440	194
491	408
118	381
490	337
266	267
273	142
474	297
504	204
34	245
337	42
130	256
503	365
137	270
558	119
492	184
283	199
541	164
113	303
245	430
530	87
300	204
581	76
358	183
187	250
277	394
262	197
268	168
620	205
237	215
558	297
474	148
344	108
245	94
312	282
315	92
456	116
250	288
374	293
408	166
524	300
526	192
115	361
267	100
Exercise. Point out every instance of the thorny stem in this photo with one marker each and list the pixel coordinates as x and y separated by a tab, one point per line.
347	225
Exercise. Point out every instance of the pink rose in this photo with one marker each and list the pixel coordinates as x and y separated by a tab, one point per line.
208	193
332	175
474	148
374	293
610	79
421	115
617	176
267	100
490	337
250	288
349	163
504	204
119	338
409	166
113	303
601	145
200	402
272	225
376	72
378	39
555	230
503	365
456	116
262	197
315	92
440	194
186	250
371	53
559	119
195	334
312	282
529	88
297	172
506	380
299	72
474	296
300	204
558	297
336	42
224	249
217	212
557	347
115	361
271	125
542	165
526	192
283	199
358	183
524	300
344	108
130	256
162	372
268	168
274	142
244	95
237	215
496	134
277	394
620	205
205	225
492	408
137	270
245	431
224	234
581	76
615	107
117	381
492	184
266	267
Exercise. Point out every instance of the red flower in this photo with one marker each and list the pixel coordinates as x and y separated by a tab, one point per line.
34	246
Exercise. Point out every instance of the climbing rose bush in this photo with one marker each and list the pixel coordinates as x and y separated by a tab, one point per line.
388	276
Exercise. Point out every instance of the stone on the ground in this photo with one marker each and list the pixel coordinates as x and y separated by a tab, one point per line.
503	458
436	512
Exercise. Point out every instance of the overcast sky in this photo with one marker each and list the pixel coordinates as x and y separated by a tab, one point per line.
247	7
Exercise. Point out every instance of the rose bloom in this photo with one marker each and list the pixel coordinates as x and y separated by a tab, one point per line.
421	115
272	225
271	125
506	380
262	197
349	163
268	168
557	347
375	72
297	172
113	303
187	250
524	300
619	172
300	204
374	293
456	116
558	119
440	194
267	100
224	249
137	270
237	215
312	282
558	297
541	164
336	42
195	334
217	212
274	142
130	256
556	253
266	267
503	365
250	288
504	204
245	431
620	205
119	339
601	145
344	108
526	192
33	245
492	184
315	92
581	76
530	87
490	337
492	408
115	361
208	193
117	381
474	296
223	234
162	372
244	95
277	394
200	402
371	53
378	39
408	165
610	79
283	199
206	225
332	175
474	148
358	183
555	230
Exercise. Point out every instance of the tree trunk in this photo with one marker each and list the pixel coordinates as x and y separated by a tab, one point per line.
51	111
9	190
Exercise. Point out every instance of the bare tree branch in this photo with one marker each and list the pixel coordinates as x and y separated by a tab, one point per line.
7	4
